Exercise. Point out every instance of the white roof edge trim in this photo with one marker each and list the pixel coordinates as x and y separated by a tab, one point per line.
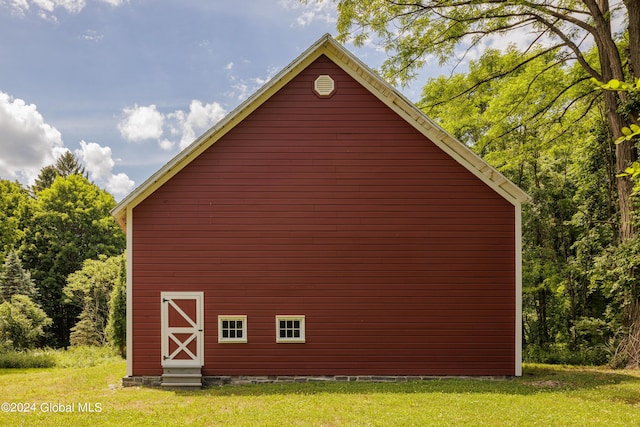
362	73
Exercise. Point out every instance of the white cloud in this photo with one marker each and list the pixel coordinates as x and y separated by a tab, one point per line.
46	8
92	36
147	123
27	143
120	184
189	125
319	10
166	144
97	159
242	88
99	163
71	6
115	3
141	123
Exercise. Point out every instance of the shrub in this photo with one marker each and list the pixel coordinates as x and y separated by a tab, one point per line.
22	322
561	355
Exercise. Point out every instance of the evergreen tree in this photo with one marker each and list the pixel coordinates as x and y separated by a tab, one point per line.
85	331
45	178
14	280
66	165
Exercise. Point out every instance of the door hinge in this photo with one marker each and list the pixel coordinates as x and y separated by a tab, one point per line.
165	300
165	357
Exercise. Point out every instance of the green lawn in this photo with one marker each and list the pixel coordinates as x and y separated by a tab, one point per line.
544	396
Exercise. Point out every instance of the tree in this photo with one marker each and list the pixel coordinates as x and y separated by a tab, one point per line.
14	280
15	210
45	178
22	322
71	223
117	323
90	290
85	332
67	164
412	30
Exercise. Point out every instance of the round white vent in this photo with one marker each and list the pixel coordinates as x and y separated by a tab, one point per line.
324	85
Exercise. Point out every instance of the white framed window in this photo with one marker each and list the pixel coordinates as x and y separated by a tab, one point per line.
232	329
290	329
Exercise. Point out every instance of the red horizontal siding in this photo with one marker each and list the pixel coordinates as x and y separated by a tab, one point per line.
401	260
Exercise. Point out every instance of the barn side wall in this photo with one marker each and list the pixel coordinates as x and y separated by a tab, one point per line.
401	261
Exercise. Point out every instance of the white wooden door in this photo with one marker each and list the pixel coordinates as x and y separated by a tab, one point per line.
182	329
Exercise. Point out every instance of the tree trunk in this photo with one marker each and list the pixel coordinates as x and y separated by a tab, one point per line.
625	155
633	8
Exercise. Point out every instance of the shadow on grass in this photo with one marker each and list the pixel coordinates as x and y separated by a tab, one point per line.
535	379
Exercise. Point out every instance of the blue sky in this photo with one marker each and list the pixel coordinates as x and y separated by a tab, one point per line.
126	84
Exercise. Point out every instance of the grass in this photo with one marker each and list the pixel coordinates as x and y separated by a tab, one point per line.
545	396
74	357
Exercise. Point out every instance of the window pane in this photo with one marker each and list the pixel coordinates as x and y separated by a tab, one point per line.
283	324
232	333
239	324
283	333
225	324
289	324
225	333
239	333
296	333
296	324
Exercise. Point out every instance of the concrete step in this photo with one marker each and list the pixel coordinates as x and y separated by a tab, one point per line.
182	378
177	370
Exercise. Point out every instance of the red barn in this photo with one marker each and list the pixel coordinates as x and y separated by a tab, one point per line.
325	227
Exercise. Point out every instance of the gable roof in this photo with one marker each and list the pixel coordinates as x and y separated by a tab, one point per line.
329	47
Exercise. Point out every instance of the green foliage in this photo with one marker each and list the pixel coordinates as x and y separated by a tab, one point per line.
76	357
15	209
71	223
14	280
85	332
22	322
615	84
563	355
116	329
413	32
66	165
45	179
26	359
615	271
90	289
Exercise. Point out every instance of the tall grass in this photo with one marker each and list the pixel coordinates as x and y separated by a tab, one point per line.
74	357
